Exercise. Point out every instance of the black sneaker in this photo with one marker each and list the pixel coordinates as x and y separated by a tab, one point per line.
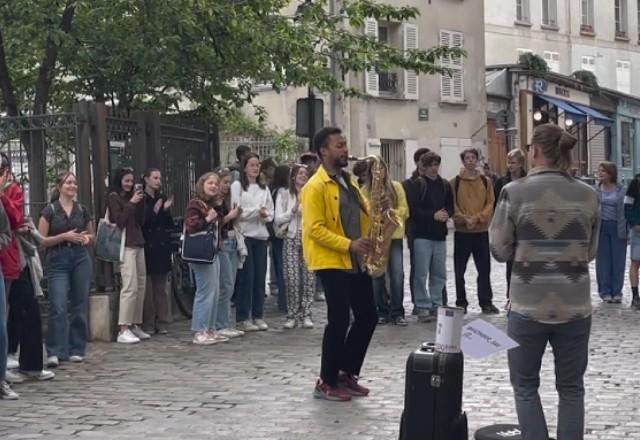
490	310
382	320
635	302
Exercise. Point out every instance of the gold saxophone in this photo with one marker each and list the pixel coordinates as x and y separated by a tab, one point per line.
383	221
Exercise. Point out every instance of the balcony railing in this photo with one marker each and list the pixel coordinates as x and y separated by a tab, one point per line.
388	82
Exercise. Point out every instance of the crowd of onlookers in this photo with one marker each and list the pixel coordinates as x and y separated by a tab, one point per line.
254	209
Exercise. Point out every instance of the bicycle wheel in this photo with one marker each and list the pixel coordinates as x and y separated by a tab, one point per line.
182	285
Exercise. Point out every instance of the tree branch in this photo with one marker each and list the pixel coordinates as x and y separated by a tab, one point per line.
47	67
6	83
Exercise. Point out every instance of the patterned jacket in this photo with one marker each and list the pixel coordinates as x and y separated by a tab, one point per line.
548	224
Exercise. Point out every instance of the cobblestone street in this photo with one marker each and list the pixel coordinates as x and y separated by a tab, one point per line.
260	386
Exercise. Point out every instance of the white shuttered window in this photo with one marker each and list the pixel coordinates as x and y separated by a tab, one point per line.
410	77
623	76
371	77
452	86
553	60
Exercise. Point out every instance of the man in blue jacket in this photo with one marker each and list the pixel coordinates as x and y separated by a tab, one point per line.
632	215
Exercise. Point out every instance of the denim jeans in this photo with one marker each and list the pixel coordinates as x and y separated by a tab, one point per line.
251	281
69	280
431	268
3	332
611	260
570	344
390	306
228	257
205	303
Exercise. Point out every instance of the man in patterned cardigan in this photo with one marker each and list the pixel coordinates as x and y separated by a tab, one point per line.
548	223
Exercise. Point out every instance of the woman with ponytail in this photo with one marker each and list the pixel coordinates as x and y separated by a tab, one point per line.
548	224
67	229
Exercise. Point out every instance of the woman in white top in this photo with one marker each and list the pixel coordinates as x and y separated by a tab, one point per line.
254	199
301	283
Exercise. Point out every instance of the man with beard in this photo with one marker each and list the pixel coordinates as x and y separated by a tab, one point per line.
334	224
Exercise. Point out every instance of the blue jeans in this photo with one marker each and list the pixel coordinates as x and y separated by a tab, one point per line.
277	247
611	260
205	303
228	267
430	259
570	344
69	280
251	281
390	306
3	331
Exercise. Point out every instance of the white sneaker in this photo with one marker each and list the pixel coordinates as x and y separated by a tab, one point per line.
308	323
12	377
139	333
248	326
291	323
38	375
230	333
12	362
262	326
127	337
75	358
320	297
203	338
53	361
6	393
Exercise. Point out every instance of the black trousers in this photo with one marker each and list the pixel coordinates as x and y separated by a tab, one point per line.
466	244
412	271
343	347
509	270
24	325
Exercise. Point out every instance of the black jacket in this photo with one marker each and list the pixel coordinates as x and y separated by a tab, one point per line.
425	198
157	238
500	183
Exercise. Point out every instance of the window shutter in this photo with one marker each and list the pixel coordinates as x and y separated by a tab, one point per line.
553	13
371	84
452	87
410	77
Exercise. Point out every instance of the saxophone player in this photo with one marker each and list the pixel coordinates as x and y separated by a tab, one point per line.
334	223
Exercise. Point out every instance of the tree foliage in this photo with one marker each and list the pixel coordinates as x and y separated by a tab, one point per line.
152	53
586	77
533	62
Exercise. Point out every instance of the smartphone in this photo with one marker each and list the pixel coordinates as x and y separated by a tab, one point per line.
137	187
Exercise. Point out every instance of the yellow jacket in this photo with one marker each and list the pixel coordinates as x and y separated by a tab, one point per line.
324	243
401	209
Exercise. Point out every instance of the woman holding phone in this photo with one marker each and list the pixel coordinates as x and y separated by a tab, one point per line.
126	210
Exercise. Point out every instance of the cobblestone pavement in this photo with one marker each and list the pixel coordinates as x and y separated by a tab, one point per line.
259	387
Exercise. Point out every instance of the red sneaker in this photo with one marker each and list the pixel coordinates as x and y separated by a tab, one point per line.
326	392
350	383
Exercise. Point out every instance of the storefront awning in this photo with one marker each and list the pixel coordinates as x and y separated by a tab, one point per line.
595	115
579	112
576	114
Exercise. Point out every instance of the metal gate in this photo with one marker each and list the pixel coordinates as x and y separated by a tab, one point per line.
39	148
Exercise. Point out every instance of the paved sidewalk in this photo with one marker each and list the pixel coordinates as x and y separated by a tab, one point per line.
260	387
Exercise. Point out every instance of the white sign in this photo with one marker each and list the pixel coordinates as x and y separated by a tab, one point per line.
481	339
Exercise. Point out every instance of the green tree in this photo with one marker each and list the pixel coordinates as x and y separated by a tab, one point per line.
151	53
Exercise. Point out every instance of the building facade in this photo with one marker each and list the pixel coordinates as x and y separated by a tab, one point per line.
403	111
601	36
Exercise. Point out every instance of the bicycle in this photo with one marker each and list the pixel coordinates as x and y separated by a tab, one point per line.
183	283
